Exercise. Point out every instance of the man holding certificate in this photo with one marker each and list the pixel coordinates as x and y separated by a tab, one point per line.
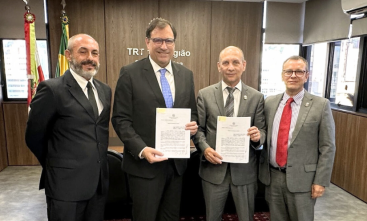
154	82
230	114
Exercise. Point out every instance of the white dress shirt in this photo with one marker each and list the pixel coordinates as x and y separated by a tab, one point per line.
296	105
83	85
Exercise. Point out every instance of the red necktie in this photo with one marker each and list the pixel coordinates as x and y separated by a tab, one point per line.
283	134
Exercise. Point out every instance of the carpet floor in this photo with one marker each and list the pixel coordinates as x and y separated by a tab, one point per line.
259	216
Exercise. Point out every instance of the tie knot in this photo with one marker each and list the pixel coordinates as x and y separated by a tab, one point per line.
231	90
163	71
89	85
290	100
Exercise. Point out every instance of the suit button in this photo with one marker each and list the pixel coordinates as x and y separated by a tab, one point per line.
98	161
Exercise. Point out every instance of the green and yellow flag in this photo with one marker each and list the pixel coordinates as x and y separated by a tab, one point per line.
63	63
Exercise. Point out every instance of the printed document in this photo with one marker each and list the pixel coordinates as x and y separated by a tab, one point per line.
171	138
232	140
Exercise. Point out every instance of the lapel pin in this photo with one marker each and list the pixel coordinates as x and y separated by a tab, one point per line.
307	104
245	97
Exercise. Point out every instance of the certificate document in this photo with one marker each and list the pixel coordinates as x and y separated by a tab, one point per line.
171	138
232	140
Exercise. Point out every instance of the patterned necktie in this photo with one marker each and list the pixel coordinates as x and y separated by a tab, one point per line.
92	99
166	90
283	134
230	102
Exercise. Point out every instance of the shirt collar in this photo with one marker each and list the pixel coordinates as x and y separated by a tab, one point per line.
297	98
238	86
81	81
156	67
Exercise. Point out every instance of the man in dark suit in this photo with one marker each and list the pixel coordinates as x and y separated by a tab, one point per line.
154	82
219	178
298	155
67	130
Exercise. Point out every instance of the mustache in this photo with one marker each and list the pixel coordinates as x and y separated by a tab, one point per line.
89	62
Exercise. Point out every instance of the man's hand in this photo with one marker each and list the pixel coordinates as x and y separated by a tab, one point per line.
254	134
193	127
150	154
212	156
317	191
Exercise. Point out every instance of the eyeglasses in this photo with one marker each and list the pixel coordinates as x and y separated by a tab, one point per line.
299	73
159	41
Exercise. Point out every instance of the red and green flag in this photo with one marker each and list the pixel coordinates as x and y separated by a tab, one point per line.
34	69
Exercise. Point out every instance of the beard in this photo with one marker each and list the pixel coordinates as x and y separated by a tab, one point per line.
78	68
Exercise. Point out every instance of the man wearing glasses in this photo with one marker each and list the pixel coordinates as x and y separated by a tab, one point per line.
155	82
298	155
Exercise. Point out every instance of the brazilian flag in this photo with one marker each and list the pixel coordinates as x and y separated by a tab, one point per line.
63	64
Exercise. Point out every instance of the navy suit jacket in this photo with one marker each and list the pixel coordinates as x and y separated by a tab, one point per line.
137	96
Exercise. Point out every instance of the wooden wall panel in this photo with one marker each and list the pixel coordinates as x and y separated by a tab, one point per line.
192	21
126	22
16	116
350	165
238	24
3	149
85	16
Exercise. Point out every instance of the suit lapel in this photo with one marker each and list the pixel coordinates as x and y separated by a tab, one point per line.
151	78
243	102
218	93
273	107
101	96
78	94
179	83
303	112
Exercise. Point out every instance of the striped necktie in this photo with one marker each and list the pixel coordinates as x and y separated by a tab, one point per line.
230	102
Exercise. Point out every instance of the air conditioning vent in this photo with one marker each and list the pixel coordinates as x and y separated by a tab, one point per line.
352	7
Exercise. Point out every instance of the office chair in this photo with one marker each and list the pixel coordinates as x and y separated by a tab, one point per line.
118	203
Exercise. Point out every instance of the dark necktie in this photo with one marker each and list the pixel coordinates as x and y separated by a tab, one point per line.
230	102
92	99
166	90
283	134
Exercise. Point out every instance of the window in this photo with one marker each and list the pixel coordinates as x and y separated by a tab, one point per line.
272	63
344	72
318	69
334	72
14	67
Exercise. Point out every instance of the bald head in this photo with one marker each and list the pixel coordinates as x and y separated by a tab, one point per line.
230	50
78	38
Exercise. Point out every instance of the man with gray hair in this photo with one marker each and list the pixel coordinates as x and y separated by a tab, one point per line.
232	98
298	155
67	130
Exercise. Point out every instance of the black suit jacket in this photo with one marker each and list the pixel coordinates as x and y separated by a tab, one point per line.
137	96
66	139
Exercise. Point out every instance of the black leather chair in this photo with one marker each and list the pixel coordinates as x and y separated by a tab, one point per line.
192	199
118	204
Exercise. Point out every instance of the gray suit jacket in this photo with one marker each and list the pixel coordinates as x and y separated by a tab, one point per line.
312	148
211	105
